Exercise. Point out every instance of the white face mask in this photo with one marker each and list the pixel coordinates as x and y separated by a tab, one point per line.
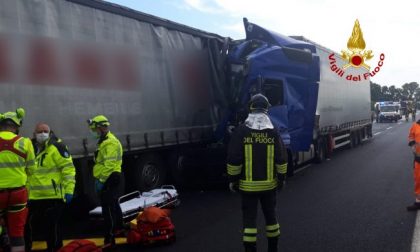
42	137
95	135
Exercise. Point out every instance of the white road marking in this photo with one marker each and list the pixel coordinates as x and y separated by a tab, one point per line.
389	128
302	168
399	122
377	133
415	241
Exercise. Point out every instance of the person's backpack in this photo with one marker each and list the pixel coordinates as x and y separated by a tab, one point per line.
80	246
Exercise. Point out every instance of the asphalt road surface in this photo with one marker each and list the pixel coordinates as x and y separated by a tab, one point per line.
353	202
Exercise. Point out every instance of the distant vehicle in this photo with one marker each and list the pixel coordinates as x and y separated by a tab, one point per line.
388	113
397	106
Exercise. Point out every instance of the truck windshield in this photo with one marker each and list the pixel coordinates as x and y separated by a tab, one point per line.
273	90
388	109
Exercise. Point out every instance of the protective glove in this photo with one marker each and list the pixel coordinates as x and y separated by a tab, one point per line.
98	185
233	187
411	143
68	197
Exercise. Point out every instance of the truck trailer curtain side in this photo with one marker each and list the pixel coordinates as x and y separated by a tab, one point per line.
65	62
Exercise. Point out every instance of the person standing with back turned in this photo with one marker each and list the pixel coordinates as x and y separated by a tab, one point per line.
257	159
16	157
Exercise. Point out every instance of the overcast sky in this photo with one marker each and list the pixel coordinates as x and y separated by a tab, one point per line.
389	27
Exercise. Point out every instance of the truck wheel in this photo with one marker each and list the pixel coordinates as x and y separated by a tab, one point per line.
363	133
150	172
358	137
369	131
320	151
352	139
178	173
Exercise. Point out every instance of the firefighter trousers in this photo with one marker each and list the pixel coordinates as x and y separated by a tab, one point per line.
44	217
13	208
249	213
111	209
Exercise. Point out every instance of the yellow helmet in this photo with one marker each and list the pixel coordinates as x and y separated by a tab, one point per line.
98	121
15	117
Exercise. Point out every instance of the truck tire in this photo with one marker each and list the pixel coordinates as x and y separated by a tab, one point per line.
150	172
356	140
320	152
363	133
358	137
178	173
369	131
352	139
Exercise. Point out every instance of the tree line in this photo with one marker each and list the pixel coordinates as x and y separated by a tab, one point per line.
408	91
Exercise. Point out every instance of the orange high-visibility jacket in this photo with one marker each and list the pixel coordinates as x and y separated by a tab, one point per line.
414	137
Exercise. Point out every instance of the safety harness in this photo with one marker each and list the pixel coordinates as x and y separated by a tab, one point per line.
8	145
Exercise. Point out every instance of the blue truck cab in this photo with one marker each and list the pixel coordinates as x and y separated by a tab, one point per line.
285	70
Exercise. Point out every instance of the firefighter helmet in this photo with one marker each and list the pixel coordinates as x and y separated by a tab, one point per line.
98	121
14	117
259	103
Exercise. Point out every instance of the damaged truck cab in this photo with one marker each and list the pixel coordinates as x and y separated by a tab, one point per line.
287	72
314	110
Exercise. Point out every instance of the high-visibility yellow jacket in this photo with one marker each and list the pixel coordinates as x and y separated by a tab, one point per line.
16	157
108	157
54	174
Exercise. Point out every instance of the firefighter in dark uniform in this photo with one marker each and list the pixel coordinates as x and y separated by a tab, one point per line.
257	164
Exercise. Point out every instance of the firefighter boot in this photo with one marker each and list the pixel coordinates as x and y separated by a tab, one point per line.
273	244
414	207
250	246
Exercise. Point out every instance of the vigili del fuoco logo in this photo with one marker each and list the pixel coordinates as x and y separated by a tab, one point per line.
356	56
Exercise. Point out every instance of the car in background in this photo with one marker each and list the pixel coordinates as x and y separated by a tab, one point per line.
388	113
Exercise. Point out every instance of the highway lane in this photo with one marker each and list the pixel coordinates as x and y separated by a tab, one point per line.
353	202
357	200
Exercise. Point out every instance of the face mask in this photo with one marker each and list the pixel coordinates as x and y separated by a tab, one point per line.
42	137
94	135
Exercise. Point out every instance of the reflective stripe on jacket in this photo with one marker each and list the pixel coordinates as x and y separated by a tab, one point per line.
13	165
255	158
54	175
108	157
